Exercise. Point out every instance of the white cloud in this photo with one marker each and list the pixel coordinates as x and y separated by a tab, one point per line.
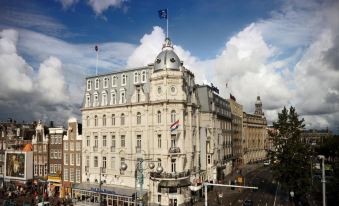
101	5
67	3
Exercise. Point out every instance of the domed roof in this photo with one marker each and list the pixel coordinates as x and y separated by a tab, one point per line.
167	58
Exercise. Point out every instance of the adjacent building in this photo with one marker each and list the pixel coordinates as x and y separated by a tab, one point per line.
40	154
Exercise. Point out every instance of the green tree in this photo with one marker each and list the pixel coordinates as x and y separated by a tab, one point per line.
291	156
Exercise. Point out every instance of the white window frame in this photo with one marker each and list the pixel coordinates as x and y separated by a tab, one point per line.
122	96
78	159
138	118
105	83
104	98
88	100
77	175
173	116
96	99
89	85
143	76
65	175
123	79
114	80
113	98
97	83
136	77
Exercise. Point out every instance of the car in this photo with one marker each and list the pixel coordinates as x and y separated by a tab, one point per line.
267	162
247	203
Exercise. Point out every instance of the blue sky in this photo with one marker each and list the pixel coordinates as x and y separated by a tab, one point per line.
284	51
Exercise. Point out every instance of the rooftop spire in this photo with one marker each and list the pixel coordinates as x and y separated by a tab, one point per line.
167	44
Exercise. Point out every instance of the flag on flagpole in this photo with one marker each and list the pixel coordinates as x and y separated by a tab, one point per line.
174	126
96	48
162	13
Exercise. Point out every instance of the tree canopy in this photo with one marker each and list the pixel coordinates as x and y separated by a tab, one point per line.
291	155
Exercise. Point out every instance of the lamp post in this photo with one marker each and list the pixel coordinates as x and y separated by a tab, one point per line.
140	174
323	180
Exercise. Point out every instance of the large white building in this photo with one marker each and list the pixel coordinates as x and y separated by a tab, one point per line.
152	115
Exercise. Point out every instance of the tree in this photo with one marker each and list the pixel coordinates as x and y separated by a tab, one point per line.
291	155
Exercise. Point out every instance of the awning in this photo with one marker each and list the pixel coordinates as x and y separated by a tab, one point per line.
174	183
195	188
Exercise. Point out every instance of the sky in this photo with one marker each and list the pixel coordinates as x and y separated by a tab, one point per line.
286	51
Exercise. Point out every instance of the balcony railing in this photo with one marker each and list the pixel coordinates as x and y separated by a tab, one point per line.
95	149
170	175
174	150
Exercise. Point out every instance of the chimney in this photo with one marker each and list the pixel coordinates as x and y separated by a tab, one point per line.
51	124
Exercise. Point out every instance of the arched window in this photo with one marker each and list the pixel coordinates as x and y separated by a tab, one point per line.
173	116
114	81
113	119
123	79
87	121
123	97
105	82
104	120
159	117
113	98
104	98
95	120
88	100
96	99
122	119
97	83
143	76
138	118
136	77
89	84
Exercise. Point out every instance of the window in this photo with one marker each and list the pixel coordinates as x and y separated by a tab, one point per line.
113	119
209	159
122	140
96	83
159	162
104	98
122	119
51	168
159	140
72	159
138	95
87	121
95	161
143	76
65	174
66	146
113	141
87	161
105	82
122	160
138	118
66	159
104	164
159	117
104	120
95	141
173	143
78	159
136	77
138	141
77	174
71	146
113	98
173	165
122	97
78	146
95	120
89	84
104	141
88	141
159	198
96	99
123	79
112	162
71	175
88	100
114	81
173	116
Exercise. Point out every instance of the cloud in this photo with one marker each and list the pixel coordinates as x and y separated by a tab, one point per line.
68	3
101	5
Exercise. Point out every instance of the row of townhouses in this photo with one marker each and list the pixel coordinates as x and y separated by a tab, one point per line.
146	132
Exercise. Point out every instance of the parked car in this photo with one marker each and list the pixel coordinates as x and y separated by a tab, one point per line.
267	162
247	203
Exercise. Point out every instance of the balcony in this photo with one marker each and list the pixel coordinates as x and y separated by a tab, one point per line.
174	150
166	175
95	149
112	149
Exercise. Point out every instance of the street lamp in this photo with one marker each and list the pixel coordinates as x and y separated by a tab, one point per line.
140	173
322	157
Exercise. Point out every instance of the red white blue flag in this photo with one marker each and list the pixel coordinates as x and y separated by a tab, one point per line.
174	126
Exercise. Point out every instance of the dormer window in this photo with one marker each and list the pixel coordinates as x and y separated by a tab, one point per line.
114	81
88	100
136	77
113	98
96	83
89	85
104	98
106	82
172	60
123	79
143	76
96	99
122	97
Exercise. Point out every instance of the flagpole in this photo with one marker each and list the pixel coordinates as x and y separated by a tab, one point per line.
167	24
96	65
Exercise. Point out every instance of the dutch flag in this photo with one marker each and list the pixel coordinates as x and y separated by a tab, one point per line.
174	126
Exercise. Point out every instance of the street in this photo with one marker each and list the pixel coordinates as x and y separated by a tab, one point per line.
269	192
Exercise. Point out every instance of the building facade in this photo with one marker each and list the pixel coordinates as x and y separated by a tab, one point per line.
72	156
255	134
40	153
55	161
141	117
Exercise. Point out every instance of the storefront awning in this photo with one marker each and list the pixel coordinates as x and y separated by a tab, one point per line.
105	189
174	183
